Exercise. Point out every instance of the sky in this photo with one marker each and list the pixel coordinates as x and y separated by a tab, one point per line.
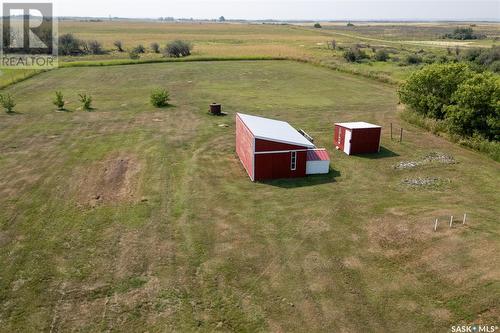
285	9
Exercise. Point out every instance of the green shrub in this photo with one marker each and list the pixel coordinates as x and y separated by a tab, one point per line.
475	107
413	59
495	66
381	55
178	49
139	49
86	101
159	97
93	47
7	103
429	58
59	100
491	148
70	45
464	34
355	54
465	101
428	91
317	25
349	24
155	47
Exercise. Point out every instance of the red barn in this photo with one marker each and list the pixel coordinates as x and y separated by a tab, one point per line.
357	137
271	149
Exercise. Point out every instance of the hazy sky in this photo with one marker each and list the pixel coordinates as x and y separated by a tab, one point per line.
285	9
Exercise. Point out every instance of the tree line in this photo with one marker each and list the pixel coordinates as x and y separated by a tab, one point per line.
69	45
465	100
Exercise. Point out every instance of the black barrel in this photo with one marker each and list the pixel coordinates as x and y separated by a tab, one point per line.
215	108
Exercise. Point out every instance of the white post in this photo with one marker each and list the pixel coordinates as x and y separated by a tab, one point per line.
465	217
451	221
436	225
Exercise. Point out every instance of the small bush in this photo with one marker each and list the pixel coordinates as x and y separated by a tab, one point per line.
159	97
119	45
413	59
349	24
7	103
317	26
70	45
139	49
59	100
495	66
464	34
381	55
155	47
178	49
354	54
86	101
429	59
94	47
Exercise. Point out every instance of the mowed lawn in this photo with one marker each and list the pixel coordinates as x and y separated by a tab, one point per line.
130	218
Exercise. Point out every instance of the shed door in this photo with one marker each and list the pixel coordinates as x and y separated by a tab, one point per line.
347	141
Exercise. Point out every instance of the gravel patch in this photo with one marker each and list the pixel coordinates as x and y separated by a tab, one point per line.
422	181
407	165
439	157
431	157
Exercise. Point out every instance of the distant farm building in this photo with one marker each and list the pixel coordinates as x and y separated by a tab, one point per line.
272	149
357	138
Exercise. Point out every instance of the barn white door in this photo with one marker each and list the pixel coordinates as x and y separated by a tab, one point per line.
347	142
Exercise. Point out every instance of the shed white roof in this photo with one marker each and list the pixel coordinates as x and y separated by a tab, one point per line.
357	124
274	130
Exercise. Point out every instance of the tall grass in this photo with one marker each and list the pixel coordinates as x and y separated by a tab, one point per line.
440	128
120	62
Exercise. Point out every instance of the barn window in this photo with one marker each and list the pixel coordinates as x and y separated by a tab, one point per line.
293	164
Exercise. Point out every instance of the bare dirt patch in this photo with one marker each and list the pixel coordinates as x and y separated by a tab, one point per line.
113	180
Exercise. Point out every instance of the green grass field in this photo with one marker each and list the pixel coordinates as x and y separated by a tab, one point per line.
130	218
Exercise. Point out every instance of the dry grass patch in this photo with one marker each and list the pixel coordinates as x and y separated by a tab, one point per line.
114	180
395	235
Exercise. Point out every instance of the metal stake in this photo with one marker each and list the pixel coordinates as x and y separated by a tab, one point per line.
451	221
436	225
465	217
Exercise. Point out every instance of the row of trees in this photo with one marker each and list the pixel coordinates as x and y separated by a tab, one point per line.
69	45
478	58
159	98
356	54
464	33
467	101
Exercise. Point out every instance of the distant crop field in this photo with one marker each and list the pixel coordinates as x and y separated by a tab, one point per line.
294	41
132	218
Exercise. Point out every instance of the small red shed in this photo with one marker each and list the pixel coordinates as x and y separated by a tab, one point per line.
272	149
357	137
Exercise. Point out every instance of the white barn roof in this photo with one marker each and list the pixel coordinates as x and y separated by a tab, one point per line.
357	124
274	130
